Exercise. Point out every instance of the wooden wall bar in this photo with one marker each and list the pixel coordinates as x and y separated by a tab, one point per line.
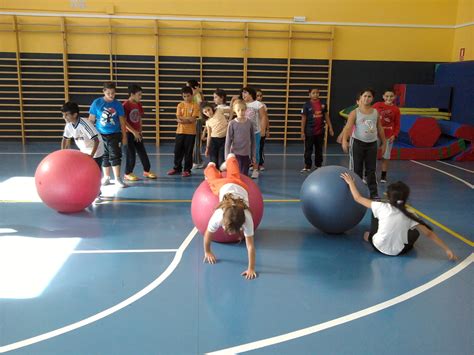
34	85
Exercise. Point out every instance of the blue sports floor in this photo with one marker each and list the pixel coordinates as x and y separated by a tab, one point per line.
126	276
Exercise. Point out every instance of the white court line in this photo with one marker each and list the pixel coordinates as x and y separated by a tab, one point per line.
124	251
455	166
350	317
445	173
169	270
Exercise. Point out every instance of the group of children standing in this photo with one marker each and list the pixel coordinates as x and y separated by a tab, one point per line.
214	123
241	140
110	125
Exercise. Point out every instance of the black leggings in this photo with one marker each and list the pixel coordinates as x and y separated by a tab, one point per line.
134	148
261	161
217	151
364	157
413	235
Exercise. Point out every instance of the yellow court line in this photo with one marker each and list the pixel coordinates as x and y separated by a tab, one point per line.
443	227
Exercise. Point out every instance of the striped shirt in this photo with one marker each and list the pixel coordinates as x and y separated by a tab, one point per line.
84	134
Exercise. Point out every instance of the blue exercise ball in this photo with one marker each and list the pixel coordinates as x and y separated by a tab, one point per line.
327	201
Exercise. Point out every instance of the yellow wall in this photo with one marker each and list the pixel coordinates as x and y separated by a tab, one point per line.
464	36
351	42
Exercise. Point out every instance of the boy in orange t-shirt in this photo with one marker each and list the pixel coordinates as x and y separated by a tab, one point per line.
186	114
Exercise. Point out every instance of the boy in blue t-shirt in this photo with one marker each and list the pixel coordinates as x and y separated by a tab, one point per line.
109	118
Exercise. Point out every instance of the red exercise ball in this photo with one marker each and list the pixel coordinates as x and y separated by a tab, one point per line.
204	203
68	180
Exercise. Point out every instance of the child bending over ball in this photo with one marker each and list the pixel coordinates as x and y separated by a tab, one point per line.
232	213
394	230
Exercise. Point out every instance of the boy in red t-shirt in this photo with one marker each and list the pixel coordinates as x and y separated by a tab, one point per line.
133	114
390	119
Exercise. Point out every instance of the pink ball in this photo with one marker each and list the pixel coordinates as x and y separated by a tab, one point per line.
68	180
204	203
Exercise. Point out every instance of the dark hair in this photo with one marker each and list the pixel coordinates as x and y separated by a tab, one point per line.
70	107
193	83
360	93
186	90
397	194
234	213
388	90
221	93
205	104
259	90
250	90
313	88
109	85
133	89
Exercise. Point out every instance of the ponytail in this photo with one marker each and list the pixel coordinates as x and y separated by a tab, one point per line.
398	193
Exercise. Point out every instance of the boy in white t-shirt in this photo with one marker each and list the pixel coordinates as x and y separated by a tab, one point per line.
394	229
86	137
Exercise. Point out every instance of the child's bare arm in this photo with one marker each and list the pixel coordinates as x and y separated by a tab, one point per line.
209	257
328	122
65	143
303	125
355	193
348	130
208	142
123	127
263	120
250	273
91	118
94	148
434	237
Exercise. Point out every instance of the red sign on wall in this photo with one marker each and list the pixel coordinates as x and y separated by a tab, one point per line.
462	51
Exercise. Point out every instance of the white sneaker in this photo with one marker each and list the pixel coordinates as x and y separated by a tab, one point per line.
255	174
120	183
223	166
106	180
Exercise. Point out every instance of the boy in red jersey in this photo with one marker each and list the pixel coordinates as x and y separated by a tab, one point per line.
133	114
390	119
314	117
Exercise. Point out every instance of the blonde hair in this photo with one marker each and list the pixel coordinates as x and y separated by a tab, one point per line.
234	213
239	103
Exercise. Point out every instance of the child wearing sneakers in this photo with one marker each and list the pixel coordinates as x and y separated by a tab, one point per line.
314	115
108	115
390	120
86	137
240	138
232	213
186	114
133	113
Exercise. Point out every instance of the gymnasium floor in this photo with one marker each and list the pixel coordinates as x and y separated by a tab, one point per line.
126	276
